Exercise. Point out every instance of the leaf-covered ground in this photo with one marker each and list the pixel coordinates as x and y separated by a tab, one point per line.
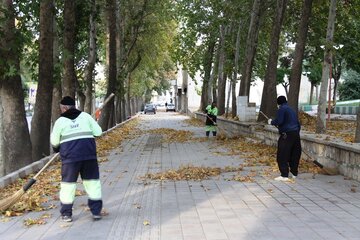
260	160
341	129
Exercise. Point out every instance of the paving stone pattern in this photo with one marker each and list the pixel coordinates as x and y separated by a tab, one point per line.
319	207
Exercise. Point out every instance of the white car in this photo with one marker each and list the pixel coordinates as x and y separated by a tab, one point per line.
170	107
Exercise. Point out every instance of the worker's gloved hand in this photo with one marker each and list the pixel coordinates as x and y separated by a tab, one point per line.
56	149
269	121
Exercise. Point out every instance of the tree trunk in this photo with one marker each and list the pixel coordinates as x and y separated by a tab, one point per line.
251	43
208	60
214	90
295	76
56	96
233	100
120	50
89	70
15	144
357	132
228	98
69	49
221	79
80	95
268	99
336	76
105	117
285	85
236	68
41	121
128	98
321	120
311	93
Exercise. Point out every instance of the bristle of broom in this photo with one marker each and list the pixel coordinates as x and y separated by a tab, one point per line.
330	171
8	202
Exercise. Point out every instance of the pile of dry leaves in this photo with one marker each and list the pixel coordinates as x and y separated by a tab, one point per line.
185	173
172	135
194	122
190	172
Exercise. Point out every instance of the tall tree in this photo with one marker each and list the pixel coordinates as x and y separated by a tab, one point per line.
207	63
69	48
221	75
41	121
106	119
251	43
120	47
236	68
15	144
321	116
295	76
268	100
57	91
89	70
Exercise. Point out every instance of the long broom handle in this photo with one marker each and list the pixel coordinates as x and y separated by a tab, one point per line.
46	165
106	101
33	179
264	115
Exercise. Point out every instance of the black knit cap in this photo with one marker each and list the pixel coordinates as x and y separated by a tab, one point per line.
281	100
68	101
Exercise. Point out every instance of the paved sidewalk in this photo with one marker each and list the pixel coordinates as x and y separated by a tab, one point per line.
323	207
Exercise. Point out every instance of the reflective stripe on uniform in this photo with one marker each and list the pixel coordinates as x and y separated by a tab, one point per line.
74	136
93	189
67	192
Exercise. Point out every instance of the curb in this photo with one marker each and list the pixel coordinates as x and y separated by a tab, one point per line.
36	166
23	172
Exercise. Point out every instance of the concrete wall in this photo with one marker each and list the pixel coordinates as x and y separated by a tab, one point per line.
331	153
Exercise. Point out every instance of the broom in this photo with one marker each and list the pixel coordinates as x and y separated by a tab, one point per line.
215	124
8	202
326	170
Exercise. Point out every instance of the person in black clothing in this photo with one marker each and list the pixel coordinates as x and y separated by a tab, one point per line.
289	144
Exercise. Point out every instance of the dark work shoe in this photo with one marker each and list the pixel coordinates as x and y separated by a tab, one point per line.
96	217
65	218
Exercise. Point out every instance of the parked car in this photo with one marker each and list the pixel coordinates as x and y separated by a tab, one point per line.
150	108
170	107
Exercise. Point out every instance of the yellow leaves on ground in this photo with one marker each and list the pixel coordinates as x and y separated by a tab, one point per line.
114	138
194	173
241	178
171	135
342	129
259	154
194	122
38	196
146	223
186	173
36	221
